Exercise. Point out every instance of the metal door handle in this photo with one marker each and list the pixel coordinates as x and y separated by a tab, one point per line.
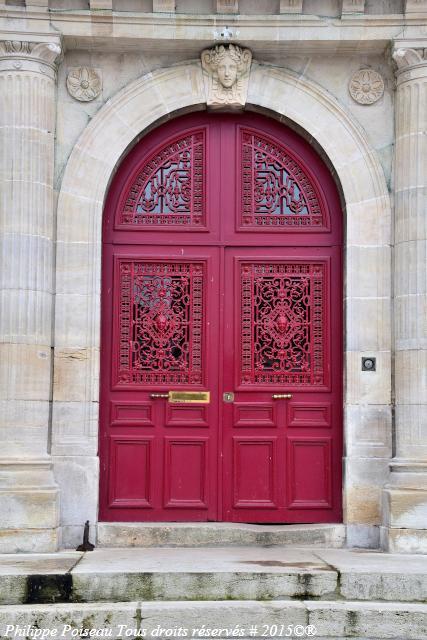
281	396
159	395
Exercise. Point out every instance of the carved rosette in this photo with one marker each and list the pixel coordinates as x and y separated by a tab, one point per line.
84	84
226	75
39	57
366	86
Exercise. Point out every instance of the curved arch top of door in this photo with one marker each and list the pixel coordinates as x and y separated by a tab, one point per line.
221	347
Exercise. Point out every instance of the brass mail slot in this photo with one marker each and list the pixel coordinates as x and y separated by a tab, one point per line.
190	396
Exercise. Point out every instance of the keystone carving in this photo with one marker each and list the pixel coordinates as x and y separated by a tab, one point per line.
84	84
226	75
366	86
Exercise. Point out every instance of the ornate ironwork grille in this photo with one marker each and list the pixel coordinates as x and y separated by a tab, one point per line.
282	323
160	323
169	189
276	192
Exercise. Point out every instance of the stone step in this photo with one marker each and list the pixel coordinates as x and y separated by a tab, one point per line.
325	620
211	534
217	574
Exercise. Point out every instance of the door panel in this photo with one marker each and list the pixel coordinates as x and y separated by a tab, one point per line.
281	339
168	186
255	490
276	190
163	337
186	468
309	490
131	471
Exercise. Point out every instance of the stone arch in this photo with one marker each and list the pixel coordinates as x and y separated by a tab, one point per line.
119	123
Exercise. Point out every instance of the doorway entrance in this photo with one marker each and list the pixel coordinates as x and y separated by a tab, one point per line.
221	347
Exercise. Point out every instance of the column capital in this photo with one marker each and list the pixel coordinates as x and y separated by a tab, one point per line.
24	55
411	61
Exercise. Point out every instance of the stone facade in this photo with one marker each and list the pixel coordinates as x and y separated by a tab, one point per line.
101	75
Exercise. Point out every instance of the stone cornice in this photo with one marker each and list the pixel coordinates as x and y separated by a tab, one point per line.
122	31
23	55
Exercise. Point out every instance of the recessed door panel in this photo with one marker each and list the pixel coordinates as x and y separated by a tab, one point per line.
132	413
254	414
309	473
184	415
186	468
254	473
131	471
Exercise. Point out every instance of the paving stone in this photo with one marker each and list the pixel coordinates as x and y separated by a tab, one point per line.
368	620
238	573
68	617
371	575
27	577
195	617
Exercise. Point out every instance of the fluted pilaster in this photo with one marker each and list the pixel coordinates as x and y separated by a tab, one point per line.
406	497
27	127
410	254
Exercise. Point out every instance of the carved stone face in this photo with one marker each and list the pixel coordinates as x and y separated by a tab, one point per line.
227	71
226	75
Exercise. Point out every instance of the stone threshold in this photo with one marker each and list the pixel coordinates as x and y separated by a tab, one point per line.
210	534
212	574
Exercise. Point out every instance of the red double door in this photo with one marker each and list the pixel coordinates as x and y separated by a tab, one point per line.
221	379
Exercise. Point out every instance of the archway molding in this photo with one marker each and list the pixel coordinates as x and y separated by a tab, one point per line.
111	133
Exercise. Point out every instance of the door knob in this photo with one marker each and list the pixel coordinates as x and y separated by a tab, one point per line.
281	396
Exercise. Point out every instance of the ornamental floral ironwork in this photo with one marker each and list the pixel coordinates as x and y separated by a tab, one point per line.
276	191
282	319
169	189
160	318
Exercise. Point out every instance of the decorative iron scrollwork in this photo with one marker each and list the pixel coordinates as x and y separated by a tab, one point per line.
169	189
282	323
276	192
161	311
